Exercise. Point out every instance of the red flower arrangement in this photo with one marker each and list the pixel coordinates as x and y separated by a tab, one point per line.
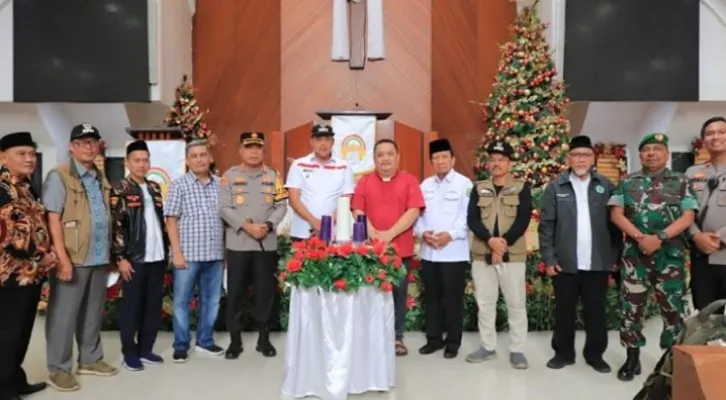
342	267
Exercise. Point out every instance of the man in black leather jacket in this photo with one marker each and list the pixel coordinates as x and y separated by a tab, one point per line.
139	245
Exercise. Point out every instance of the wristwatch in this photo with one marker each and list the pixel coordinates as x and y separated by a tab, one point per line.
662	235
269	226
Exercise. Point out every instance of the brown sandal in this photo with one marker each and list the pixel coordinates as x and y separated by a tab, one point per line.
401	349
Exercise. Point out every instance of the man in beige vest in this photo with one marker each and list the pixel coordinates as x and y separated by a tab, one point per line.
76	196
498	215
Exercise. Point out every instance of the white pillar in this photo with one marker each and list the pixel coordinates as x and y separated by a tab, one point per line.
552	13
59	127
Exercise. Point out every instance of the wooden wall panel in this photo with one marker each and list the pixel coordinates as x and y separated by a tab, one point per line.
236	45
401	83
466	35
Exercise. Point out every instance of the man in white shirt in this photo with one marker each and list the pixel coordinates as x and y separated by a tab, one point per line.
579	246
315	182
444	250
139	246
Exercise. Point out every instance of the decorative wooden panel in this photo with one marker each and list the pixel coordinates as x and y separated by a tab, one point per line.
401	83
702	156
465	53
607	164
236	59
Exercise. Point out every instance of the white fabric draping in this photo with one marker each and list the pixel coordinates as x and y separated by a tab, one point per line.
374	26
339	343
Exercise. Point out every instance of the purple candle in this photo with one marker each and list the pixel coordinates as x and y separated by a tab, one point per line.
326	228
359	232
362	220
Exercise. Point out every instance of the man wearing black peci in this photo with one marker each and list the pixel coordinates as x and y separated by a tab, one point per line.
580	247
25	260
444	249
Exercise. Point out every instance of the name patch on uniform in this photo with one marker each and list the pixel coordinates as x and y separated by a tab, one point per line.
70	224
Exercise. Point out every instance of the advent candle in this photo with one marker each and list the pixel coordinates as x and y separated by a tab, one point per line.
343	220
326	228
359	232
362	219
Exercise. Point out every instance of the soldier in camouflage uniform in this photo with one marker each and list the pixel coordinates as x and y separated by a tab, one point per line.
653	207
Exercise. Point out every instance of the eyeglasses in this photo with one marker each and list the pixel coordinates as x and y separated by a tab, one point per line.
581	155
88	143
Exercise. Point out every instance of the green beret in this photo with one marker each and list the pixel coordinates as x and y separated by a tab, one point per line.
653	138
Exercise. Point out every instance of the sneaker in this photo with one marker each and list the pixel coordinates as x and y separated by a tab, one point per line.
63	381
518	361
151	358
133	364
180	356
98	368
481	355
212	349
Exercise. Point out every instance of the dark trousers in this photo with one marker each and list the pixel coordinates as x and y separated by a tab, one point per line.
400	301
444	284
708	281
139	314
18	307
244	268
591	287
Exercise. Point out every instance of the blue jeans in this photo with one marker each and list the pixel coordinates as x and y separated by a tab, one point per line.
208	274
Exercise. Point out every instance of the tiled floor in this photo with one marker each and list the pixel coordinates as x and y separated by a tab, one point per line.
253	377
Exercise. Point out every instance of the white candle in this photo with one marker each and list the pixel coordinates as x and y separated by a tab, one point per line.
343	220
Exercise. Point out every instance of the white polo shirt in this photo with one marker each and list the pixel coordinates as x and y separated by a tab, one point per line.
320	187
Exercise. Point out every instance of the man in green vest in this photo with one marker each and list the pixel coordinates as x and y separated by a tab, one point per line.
498	216
76	196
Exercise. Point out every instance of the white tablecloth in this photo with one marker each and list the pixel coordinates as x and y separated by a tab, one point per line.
339	343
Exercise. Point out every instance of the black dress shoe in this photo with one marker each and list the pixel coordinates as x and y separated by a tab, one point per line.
559	362
451	352
233	352
33	388
631	367
599	365
430	347
267	349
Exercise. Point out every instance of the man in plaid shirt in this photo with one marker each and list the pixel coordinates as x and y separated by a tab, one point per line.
195	232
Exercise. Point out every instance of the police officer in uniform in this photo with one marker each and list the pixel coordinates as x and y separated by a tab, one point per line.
252	202
498	215
25	260
653	207
708	233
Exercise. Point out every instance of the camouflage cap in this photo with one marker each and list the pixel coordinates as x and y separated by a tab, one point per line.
653	138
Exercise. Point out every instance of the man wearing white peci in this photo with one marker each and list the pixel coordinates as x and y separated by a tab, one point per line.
498	215
315	182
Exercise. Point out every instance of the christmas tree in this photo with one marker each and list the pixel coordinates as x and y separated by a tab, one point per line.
526	106
186	114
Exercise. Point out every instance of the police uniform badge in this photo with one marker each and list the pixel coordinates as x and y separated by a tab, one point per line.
699	181
239	200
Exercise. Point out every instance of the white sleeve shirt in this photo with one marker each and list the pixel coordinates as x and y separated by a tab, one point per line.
320	187
446	201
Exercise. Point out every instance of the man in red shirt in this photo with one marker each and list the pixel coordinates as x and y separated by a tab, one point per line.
391	200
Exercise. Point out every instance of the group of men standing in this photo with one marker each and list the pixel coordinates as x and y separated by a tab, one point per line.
588	229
